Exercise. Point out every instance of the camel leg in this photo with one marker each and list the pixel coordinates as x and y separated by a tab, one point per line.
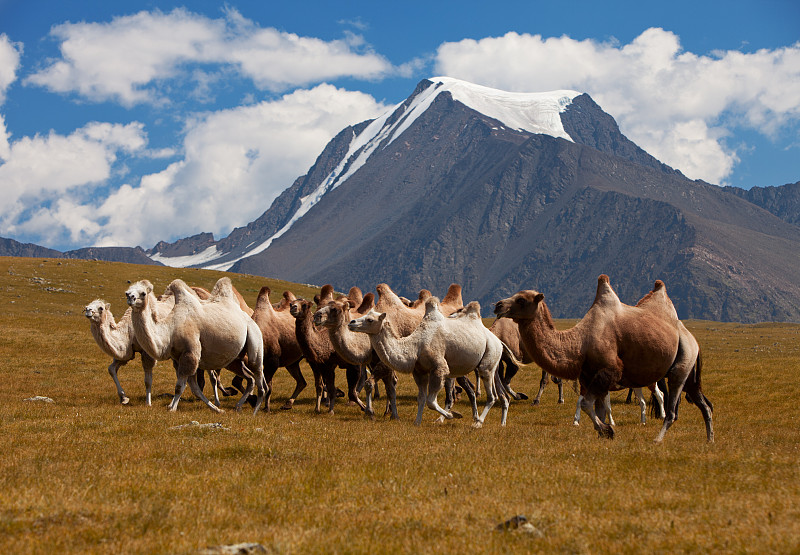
318	387
355	374
329	378
606	410
422	394
241	372
507	370
576	421
435	382
112	370
200	395
369	387
560	384
389	379
180	386
473	399
300	384
504	402
213	377
642	404
657	402
148	363
491	397
588	406
450	394
542	383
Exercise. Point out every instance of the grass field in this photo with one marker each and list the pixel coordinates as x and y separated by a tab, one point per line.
87	475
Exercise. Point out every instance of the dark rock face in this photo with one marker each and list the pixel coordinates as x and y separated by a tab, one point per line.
783	201
129	255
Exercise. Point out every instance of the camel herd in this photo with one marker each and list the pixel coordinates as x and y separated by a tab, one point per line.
614	346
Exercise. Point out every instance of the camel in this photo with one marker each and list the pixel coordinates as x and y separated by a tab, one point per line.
198	334
355	348
438	348
117	340
406	316
321	356
614	346
657	400
280	344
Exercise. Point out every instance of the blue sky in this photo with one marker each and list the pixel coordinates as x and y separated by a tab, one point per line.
129	123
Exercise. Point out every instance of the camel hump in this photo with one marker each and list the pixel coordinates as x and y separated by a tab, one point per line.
605	294
223	289
263	297
658	285
473	309
367	303
202	293
453	295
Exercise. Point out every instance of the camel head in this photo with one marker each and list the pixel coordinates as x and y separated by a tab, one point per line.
370	323
300	307
333	312
96	309
137	294
520	306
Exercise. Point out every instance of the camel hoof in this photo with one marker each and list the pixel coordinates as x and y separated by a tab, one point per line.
456	414
576	423
607	433
561	401
124	400
521	397
287	405
477	424
535	402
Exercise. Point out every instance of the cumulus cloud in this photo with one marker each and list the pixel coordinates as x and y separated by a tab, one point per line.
235	162
127	59
677	105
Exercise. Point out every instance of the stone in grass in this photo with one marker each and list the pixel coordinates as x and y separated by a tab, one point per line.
235	549
40	399
519	523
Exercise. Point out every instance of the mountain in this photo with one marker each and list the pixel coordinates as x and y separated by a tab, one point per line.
131	255
783	201
502	191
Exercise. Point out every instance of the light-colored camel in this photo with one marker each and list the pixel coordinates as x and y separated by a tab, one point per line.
614	346
117	340
322	357
439	348
198	334
356	348
280	344
406	316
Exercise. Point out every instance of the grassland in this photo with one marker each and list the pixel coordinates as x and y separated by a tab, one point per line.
87	475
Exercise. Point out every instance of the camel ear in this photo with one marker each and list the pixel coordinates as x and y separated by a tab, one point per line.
108	306
538	298
381	317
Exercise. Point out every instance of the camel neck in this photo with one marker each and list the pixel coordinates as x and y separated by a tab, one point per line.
557	352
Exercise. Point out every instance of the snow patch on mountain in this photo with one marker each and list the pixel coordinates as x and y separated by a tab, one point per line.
531	112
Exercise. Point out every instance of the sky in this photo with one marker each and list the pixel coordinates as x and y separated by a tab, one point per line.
128	123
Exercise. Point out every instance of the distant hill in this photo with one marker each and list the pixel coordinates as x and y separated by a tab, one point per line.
130	255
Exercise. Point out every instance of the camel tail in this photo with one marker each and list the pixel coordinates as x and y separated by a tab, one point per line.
508	355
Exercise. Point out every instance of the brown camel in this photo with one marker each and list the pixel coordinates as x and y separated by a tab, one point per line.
356	348
280	344
321	356
614	346
198	334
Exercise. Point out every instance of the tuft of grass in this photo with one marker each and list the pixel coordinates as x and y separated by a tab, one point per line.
87	475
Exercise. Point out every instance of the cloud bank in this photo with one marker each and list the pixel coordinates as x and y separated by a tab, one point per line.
677	105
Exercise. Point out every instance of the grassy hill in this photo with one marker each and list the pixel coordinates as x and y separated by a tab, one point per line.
87	475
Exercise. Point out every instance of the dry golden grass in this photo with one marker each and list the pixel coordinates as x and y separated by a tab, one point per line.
86	474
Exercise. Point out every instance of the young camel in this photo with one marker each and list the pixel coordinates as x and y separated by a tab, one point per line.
198	334
117	340
356	348
439	348
614	346
322	357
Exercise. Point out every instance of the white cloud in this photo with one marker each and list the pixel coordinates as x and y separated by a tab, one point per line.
40	170
235	163
674	104
126	59
9	63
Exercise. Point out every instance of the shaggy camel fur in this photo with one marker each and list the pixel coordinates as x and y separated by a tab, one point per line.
198	334
438	348
356	348
614	346
281	347
322	357
117	340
